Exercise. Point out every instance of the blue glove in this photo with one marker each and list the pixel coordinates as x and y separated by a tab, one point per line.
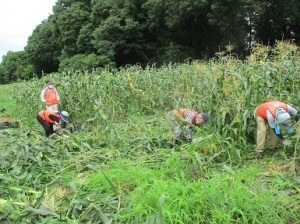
277	130
289	129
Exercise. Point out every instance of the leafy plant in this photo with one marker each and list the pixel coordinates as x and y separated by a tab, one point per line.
115	164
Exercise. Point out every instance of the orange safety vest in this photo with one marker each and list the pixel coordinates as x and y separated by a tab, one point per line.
271	106
44	114
180	113
50	96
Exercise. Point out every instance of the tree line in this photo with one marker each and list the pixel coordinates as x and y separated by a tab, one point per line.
89	34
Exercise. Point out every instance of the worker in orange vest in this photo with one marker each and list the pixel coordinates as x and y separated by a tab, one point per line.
49	96
52	120
182	122
278	116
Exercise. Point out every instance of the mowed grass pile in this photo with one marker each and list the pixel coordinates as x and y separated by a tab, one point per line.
120	168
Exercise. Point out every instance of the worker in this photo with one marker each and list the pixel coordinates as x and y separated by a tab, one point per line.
52	121
278	116
182	123
49	96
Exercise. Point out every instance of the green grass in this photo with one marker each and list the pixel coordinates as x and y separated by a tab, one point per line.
241	195
7	102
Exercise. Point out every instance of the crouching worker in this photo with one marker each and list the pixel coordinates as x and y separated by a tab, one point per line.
278	116
182	122
52	121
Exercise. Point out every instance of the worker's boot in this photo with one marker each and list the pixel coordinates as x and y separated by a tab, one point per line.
259	155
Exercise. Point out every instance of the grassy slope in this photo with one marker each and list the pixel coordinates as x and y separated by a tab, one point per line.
7	103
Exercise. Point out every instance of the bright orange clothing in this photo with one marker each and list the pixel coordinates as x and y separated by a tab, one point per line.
272	107
44	114
50	96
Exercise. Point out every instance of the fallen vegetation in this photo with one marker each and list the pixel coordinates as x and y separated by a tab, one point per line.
118	168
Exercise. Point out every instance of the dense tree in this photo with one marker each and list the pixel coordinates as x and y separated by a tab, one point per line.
69	17
231	21
83	34
84	62
119	34
163	39
187	23
14	66
279	20
4	77
43	49
84	40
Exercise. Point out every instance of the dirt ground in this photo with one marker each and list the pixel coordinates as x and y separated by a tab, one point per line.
3	119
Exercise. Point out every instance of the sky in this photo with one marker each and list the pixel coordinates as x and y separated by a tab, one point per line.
18	18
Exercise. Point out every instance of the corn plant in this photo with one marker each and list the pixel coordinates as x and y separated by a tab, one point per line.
121	170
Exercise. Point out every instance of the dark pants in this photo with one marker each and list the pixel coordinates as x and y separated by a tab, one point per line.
47	127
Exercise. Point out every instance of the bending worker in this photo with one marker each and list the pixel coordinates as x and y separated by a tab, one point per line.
278	115
52	120
49	96
182	122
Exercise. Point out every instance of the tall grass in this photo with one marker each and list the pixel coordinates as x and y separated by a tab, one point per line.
122	171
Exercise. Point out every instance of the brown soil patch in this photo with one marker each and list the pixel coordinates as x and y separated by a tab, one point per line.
3	119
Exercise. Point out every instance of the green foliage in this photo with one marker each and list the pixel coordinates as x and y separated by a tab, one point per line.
28	72
42	49
68	22
81	62
13	66
174	52
120	35
135	175
121	170
113	33
7	101
4	77
105	96
284	19
222	198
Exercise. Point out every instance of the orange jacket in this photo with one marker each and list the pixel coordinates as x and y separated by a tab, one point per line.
271	106
180	113
44	114
50	96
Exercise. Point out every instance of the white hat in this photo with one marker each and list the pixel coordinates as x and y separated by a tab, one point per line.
282	117
65	116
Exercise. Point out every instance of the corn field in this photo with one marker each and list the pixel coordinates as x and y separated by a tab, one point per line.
121	170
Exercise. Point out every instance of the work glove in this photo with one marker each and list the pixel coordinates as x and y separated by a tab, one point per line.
56	127
287	142
60	131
